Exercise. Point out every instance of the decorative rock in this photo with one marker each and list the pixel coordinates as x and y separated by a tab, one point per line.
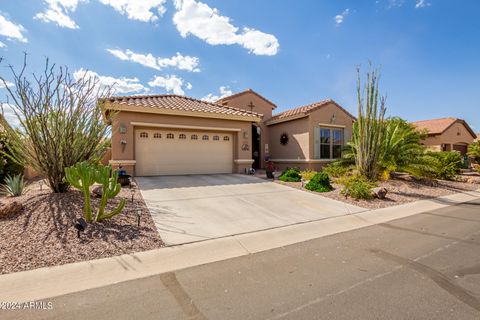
380	192
10	209
97	192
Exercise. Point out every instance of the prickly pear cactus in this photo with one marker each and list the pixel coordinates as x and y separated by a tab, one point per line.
82	176
110	188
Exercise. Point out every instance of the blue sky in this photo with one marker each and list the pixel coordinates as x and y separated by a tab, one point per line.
292	52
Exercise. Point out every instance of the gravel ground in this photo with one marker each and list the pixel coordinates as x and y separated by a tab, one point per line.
43	234
400	191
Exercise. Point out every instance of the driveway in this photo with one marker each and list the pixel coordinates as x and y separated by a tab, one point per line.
200	207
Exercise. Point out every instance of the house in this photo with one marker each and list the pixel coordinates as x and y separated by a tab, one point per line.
171	134
447	134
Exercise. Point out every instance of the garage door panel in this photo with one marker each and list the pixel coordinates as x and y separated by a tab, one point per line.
156	154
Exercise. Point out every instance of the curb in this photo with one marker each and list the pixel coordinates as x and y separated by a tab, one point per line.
54	281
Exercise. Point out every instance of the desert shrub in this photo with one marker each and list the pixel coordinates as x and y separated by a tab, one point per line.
8	167
357	186
14	186
443	165
61	121
337	169
320	182
290	175
308	174
474	151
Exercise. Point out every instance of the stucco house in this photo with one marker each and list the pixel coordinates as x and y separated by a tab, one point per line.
447	134
171	134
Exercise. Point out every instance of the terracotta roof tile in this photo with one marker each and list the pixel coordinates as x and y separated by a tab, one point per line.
439	126
224	99
305	110
181	103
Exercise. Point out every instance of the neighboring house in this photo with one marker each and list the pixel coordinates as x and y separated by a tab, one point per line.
170	134
447	134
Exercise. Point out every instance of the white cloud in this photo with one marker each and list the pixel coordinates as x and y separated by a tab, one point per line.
148	60
206	23
9	115
339	18
9	84
119	85
142	10
224	92
422	4
58	11
171	83
2	45
11	30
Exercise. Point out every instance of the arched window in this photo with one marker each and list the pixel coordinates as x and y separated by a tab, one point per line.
194	137
205	137
157	135
216	138
226	138
170	136
143	135
182	136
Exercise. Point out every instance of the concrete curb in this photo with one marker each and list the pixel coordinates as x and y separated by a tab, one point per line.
49	282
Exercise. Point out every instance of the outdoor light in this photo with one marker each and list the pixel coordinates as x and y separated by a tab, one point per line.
139	214
80	225
41	184
132	190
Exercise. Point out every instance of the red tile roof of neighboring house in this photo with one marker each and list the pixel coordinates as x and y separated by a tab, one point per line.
225	99
180	103
305	110
439	126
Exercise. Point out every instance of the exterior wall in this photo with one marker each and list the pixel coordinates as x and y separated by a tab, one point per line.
124	153
456	134
260	106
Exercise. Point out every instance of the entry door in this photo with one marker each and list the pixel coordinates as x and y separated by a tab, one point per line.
174	152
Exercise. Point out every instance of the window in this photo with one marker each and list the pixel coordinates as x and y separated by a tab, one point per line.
170	136
205	137
157	135
226	138
328	143
194	137
143	135
216	138
182	136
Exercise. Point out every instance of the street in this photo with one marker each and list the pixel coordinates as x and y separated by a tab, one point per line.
426	266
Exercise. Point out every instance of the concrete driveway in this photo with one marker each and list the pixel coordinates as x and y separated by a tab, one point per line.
200	207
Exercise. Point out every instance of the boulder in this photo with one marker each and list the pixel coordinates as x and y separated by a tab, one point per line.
97	192
8	209
380	192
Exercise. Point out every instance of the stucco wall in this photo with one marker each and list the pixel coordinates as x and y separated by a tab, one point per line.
298	140
127	152
456	134
261	106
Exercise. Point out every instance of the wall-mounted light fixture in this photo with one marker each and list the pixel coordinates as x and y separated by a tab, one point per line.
123	143
123	128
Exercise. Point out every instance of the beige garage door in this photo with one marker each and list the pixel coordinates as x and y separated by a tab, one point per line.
173	152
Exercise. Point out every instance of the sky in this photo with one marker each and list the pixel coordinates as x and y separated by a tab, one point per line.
293	52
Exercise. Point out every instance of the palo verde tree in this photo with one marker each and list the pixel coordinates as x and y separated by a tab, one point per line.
369	129
61	121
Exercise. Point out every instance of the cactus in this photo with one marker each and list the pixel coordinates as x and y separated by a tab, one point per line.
81	176
110	188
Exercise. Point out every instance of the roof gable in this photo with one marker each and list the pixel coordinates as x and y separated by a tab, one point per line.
439	126
225	99
304	111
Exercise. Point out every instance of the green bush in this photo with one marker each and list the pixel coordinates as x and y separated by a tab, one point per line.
357	186
320	182
474	151
14	186
308	174
290	175
443	165
337	169
8	167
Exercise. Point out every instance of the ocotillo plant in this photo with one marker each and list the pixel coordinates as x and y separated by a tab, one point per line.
82	177
110	188
369	128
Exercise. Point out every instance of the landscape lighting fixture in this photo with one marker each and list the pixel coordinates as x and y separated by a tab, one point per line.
80	225
132	191
139	214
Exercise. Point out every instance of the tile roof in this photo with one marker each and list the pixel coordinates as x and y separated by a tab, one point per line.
439	126
305	110
225	99
179	103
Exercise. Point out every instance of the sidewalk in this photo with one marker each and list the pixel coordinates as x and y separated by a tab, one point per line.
59	280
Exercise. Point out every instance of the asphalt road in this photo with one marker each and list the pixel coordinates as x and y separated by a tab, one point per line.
423	267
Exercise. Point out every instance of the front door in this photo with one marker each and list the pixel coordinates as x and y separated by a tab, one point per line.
256	147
